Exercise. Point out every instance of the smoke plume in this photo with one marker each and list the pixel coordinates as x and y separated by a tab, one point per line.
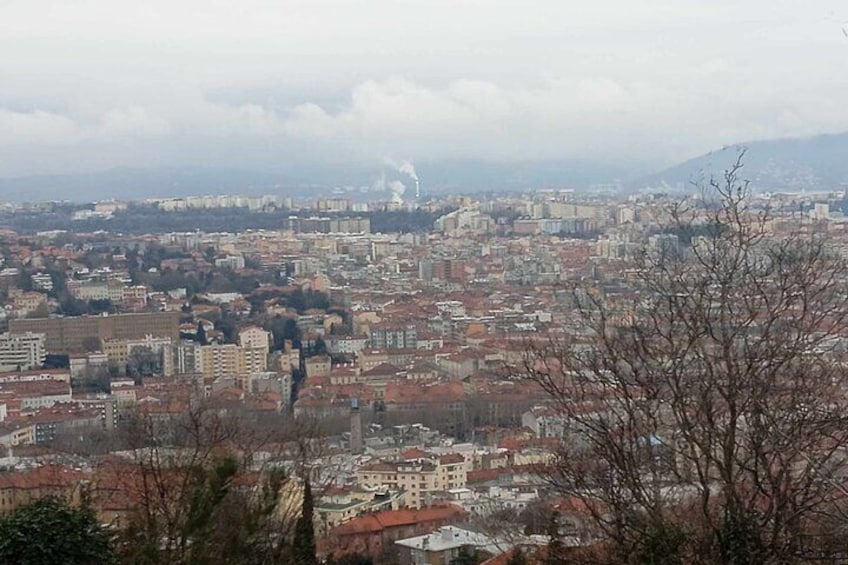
397	189
404	167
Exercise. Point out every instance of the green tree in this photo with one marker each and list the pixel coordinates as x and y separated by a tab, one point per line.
199	501
556	548
71	306
142	361
25	281
303	544
101	306
50	531
201	334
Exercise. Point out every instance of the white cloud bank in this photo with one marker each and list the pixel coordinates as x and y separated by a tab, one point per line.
105	84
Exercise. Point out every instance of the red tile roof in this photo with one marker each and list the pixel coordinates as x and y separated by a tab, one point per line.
380	521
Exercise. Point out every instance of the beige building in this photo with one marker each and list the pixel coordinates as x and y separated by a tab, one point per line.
415	478
318	366
230	360
118	350
97	290
289	358
75	334
18	488
420	479
18	433
26	303
256	337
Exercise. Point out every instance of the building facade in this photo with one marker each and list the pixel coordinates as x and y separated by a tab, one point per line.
69	335
21	351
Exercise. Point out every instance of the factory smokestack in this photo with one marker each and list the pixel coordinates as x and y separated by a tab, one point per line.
417	190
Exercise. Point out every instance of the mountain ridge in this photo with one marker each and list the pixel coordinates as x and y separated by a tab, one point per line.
787	164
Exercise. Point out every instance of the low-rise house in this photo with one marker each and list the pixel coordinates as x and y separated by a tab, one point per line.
447	544
18	488
339	505
375	534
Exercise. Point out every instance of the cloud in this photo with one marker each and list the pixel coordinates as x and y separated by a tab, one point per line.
24	128
566	116
556	117
132	122
48	128
472	118
135	122
343	80
400	109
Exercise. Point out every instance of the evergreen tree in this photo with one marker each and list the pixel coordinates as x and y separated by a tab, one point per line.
303	544
201	334
556	548
50	531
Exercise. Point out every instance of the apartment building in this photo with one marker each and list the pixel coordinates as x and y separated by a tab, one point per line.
231	359
65	335
387	336
420	479
112	290
118	350
181	358
318	366
62	375
21	351
417	479
256	337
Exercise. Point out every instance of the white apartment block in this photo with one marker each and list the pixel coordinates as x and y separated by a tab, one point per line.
21	352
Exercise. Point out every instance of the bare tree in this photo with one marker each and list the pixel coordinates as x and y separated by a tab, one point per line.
207	487
706	418
143	361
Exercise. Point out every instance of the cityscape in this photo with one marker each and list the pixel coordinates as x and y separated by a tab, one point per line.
349	282
400	354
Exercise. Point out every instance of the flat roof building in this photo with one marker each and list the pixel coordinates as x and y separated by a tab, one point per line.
77	334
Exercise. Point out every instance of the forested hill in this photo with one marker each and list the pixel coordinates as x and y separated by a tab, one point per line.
815	163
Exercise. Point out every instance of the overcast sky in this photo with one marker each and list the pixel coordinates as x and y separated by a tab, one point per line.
103	83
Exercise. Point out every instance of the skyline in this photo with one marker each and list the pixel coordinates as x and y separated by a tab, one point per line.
276	86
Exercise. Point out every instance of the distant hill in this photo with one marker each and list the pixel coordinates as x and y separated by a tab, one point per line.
305	180
135	184
458	176
815	163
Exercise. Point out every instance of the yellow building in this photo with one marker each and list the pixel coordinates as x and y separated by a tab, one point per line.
18	488
418	479
231	360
